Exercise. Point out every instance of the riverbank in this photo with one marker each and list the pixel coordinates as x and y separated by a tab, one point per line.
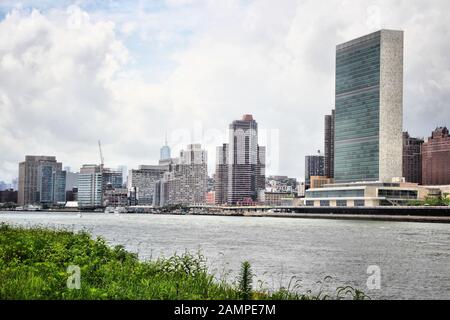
34	264
256	214
422	219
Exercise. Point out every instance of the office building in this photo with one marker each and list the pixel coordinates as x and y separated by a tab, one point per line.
369	108
314	166
436	158
59	187
41	181
246	162
90	186
412	158
329	145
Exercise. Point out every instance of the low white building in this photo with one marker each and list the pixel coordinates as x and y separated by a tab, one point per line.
364	194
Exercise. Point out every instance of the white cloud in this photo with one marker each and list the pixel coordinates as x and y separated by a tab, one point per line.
69	77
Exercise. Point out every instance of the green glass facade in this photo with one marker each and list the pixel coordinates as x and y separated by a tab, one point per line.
357	118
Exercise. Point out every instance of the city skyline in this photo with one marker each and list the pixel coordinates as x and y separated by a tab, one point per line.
267	76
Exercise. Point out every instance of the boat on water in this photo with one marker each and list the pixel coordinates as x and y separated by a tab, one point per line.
115	210
28	207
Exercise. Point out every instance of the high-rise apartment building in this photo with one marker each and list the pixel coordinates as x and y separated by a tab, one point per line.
246	162
141	182
41	181
329	145
90	186
369	107
186	181
314	166
412	159
221	176
436	158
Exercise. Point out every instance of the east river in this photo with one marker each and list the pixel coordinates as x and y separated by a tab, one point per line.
413	258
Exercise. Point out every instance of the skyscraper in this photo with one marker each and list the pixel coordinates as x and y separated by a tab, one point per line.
314	166
246	170
221	177
165	152
369	104
329	145
41	181
90	186
436	158
412	159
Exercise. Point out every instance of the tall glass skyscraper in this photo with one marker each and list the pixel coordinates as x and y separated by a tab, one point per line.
369	108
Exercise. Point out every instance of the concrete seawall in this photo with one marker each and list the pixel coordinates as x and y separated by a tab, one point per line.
396	214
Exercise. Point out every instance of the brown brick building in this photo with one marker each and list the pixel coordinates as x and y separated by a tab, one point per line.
436	158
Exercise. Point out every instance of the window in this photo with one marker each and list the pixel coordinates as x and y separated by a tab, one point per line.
324	203
309	203
360	203
399	194
341	203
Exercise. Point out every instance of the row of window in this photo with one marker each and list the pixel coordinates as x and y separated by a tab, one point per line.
339	203
336	194
403	194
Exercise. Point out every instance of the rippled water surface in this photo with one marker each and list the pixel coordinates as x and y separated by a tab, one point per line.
414	258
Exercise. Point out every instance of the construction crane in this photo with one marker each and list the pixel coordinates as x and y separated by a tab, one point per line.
102	160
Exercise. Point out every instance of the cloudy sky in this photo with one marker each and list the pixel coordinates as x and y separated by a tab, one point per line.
125	72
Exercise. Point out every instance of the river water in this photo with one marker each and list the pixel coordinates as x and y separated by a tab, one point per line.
413	258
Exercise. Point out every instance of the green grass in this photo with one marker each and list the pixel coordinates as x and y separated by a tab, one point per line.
34	262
